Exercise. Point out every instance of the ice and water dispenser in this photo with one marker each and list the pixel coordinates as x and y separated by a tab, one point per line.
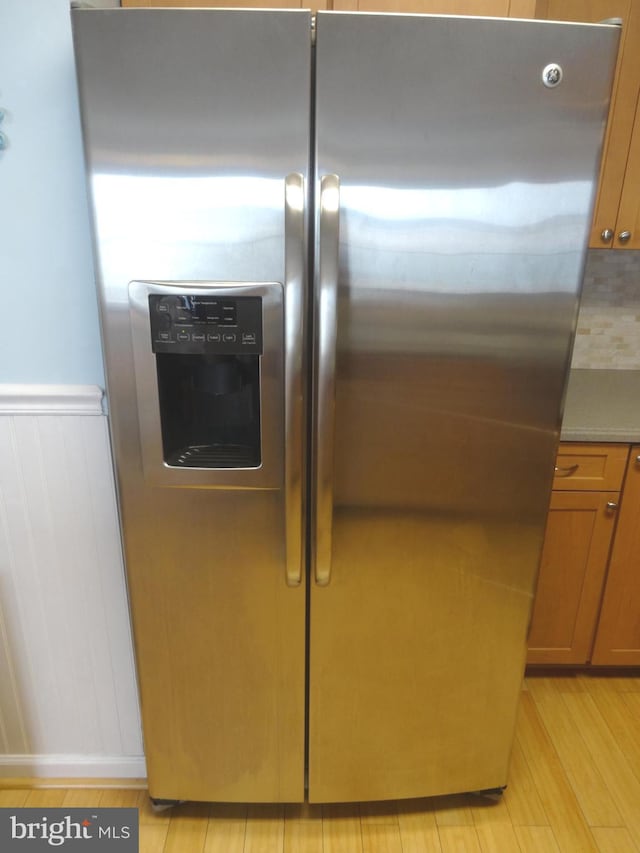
208	364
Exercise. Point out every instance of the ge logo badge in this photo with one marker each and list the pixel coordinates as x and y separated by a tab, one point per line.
552	75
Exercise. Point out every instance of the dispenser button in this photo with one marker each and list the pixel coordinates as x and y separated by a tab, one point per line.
184	336
162	307
164	336
197	337
248	337
214	337
229	338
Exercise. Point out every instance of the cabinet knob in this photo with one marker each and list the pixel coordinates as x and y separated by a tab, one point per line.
612	506
607	235
637	460
624	236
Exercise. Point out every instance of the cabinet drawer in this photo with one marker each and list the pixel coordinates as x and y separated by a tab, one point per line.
590	467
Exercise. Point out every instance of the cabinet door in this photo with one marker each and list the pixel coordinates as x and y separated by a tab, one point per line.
572	571
499	8
629	214
618	638
490	8
623	106
230	4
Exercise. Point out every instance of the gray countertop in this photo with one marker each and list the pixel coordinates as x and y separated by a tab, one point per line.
602	405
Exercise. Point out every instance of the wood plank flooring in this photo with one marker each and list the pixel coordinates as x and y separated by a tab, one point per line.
574	786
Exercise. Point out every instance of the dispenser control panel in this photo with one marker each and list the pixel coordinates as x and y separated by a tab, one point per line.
206	324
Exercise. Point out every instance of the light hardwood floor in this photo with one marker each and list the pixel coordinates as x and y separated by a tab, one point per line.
574	787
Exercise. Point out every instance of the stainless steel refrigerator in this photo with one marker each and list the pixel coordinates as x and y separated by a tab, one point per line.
339	263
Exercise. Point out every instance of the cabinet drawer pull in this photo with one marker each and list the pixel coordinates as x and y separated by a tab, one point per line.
566	472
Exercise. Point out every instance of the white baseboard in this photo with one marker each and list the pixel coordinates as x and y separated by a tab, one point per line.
73	766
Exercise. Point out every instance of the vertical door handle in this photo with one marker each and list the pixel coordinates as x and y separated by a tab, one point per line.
326	330
294	324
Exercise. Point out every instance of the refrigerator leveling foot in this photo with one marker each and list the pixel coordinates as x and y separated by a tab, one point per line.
490	793
158	806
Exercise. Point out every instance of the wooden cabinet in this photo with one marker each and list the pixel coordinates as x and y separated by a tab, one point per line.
618	636
576	549
629	209
314	5
492	8
617	209
590	467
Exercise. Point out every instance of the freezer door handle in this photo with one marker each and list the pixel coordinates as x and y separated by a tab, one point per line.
295	271
327	314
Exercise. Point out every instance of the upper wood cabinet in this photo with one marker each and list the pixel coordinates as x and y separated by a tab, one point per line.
493	8
490	8
617	210
314	5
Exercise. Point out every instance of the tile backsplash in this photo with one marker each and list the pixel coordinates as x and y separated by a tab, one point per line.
609	321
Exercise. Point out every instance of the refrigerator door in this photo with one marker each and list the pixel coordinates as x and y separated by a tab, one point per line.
454	186
196	126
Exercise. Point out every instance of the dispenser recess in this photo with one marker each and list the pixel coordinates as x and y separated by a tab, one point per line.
209	380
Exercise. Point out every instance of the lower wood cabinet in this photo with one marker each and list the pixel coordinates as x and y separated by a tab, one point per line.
572	572
617	639
587	605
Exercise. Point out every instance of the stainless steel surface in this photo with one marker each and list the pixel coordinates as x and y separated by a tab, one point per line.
566	472
295	265
607	235
187	162
326	333
465	201
612	506
624	236
552	75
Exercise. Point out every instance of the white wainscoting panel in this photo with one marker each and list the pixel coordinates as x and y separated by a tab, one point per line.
68	696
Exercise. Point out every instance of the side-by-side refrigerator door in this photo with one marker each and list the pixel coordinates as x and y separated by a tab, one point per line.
196	128
456	161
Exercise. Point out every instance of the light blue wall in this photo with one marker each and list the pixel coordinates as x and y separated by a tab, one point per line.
48	322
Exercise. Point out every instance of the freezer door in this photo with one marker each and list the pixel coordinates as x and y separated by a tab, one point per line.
196	128
456	161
